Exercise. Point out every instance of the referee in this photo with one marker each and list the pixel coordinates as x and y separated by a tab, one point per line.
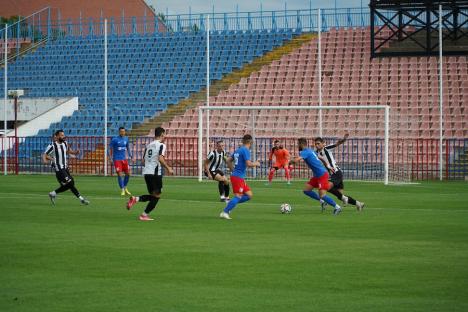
57	153
336	175
212	163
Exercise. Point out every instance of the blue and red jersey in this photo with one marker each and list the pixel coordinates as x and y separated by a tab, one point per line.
119	146
314	163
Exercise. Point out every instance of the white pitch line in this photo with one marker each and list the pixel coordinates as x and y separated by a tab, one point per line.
19	195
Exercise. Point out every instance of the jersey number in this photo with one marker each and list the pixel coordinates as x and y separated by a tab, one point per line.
236	159
150	153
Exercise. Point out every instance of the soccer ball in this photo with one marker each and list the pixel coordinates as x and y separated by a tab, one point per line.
285	208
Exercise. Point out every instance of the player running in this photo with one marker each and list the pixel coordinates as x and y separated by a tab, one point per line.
238	163
281	161
119	149
154	159
212	163
57	153
336	175
320	179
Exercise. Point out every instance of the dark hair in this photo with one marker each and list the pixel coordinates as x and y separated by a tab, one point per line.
276	141
57	132
302	141
121	128
247	138
319	140
219	141
159	131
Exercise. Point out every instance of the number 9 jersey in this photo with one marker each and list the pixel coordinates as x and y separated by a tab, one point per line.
151	158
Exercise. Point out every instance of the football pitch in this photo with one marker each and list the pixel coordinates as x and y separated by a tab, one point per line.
408	250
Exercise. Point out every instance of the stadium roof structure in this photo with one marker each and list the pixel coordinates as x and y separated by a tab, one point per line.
411	28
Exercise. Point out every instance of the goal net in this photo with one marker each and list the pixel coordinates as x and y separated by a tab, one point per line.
369	154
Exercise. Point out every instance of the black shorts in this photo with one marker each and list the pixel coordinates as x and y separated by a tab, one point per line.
154	183
63	176
337	180
214	173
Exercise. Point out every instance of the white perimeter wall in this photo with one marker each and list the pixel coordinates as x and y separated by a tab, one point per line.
44	120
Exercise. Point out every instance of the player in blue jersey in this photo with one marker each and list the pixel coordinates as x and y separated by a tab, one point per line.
238	162
320	179
119	149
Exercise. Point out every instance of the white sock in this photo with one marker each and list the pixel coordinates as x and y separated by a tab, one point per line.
222	197
137	199
81	197
53	193
337	206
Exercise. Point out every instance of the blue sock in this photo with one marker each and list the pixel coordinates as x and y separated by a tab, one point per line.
329	200
121	182
232	203
243	199
127	177
312	194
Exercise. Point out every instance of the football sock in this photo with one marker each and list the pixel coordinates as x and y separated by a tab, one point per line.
226	190
287	174
351	201
243	199
271	174
329	200
221	188
126	179
62	188
312	194
232	203
151	205
121	182
75	191
144	198
53	193
336	193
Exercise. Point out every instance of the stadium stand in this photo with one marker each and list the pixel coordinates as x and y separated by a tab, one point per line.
408	84
139	86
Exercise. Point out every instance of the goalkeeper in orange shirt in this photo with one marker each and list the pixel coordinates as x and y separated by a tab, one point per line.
281	156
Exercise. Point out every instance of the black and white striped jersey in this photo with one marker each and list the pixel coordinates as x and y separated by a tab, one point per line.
151	157
216	159
58	151
330	160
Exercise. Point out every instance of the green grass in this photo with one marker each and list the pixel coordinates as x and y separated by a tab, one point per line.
408	251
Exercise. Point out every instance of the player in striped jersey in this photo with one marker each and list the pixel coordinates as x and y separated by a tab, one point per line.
57	153
212	163
154	159
336	175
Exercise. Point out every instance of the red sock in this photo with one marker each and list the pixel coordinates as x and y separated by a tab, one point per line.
270	176
287	174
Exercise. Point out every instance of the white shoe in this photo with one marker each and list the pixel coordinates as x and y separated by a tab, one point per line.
359	206
337	210
224	215
344	199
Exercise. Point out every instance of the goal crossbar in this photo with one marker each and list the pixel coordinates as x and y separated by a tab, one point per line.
201	110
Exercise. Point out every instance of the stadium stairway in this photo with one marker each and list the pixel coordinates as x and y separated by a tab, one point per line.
216	87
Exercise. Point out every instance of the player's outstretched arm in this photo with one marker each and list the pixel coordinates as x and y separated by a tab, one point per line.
229	163
346	136
46	158
206	166
251	164
163	162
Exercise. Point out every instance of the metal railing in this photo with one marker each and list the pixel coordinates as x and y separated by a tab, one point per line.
360	158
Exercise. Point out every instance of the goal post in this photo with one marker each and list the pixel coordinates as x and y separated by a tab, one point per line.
252	125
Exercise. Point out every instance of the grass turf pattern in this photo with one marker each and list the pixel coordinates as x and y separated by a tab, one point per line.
408	250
